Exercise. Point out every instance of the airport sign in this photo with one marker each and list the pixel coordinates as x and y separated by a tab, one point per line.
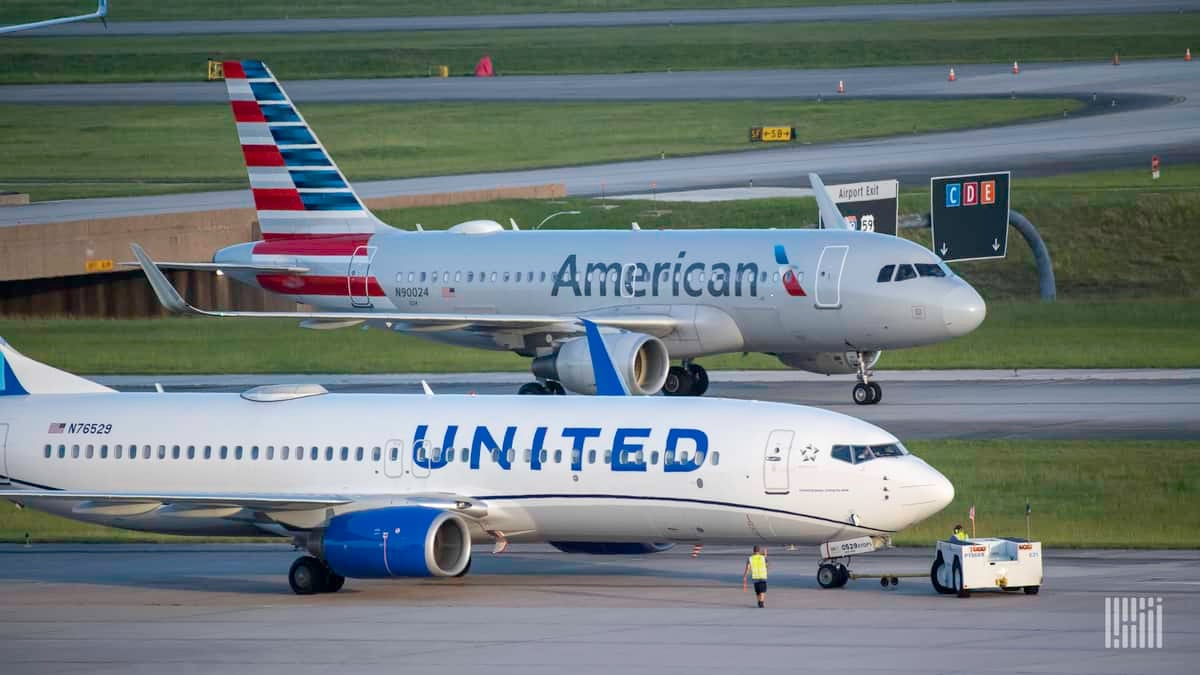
969	215
772	134
872	206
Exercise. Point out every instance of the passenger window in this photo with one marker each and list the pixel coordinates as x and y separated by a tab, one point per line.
117	451
905	272
74	452
576	456
329	453
930	270
842	452
224	452
654	458
885	274
314	453
591	456
376	454
191	453
507	277
393	454
174	452
145	452
470	276
345	453
90	449
542	277
543	456
716	458
608	456
62	451
162	452
270	452
254	452
208	452
458	275
358	454
237	452
493	277
449	455
422	277
558	456
104	452
48	450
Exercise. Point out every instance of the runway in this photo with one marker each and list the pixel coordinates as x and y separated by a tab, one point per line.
1170	129
1142	404
205	608
893	12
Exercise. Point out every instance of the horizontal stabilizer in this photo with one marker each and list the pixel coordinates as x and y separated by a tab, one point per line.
225	267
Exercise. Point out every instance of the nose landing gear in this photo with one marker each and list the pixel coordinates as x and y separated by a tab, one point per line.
866	392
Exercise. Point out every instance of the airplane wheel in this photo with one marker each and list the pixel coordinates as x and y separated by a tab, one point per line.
307	576
861	394
699	379
958	581
1031	590
843	574
827	576
876	392
678	383
555	388
532	389
333	581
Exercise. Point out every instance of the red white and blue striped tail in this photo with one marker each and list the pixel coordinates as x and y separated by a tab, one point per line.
298	191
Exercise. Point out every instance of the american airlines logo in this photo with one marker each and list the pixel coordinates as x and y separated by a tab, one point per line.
674	278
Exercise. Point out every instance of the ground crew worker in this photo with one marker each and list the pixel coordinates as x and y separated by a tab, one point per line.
756	568
959	534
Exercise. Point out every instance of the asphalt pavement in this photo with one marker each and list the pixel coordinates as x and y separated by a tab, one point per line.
906	12
219	608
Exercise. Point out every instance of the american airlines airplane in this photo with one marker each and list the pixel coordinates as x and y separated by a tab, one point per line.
827	301
380	486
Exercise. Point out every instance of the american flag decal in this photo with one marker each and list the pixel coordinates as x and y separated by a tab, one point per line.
58	428
447	292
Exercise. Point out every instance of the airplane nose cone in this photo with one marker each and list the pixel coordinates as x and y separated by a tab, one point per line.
943	493
963	310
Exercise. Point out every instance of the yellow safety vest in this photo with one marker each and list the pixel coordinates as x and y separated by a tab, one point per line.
959	535
758	567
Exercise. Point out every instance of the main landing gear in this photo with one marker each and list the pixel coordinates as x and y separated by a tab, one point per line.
866	392
550	388
690	379
310	575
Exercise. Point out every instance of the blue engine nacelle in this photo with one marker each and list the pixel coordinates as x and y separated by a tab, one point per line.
610	548
398	541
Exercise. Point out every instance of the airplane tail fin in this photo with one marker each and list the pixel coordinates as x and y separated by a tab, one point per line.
21	376
298	191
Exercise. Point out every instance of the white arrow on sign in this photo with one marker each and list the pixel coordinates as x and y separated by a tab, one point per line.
995	244
944	249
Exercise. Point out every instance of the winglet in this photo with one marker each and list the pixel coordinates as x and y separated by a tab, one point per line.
426	388
608	381
167	295
831	218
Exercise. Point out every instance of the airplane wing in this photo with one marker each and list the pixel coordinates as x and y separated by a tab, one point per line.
644	323
224	267
150	501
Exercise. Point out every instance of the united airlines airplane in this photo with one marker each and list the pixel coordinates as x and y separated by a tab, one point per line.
379	486
826	301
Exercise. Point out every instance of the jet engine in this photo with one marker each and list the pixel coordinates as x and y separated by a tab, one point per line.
611	548
828	363
641	359
398	541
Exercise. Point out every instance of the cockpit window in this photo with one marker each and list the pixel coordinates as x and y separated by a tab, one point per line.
930	270
857	454
885	274
905	272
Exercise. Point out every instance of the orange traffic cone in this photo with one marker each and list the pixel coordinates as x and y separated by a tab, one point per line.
1116	59
1016	68
841	87
951	75
1187	55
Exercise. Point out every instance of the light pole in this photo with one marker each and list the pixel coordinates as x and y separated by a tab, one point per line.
559	213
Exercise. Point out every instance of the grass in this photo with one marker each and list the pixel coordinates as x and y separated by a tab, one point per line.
1151	334
59	152
1119	494
13	11
1104	494
605	50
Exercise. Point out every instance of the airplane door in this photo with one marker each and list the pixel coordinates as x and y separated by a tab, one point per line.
4	480
829	277
776	463
420	459
393	458
358	276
